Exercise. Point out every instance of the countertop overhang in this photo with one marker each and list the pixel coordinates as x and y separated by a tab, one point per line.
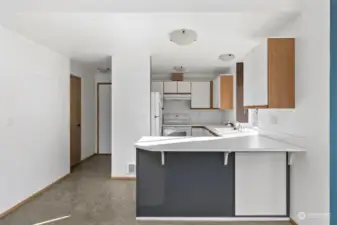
228	143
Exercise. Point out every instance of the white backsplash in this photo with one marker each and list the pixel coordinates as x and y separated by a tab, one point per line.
199	116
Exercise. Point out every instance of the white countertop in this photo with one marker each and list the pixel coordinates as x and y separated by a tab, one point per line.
193	125
249	141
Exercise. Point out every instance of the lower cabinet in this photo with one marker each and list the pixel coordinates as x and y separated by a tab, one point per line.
197	132
190	184
260	184
198	184
201	132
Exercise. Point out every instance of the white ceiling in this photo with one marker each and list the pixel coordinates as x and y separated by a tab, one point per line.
92	37
138	6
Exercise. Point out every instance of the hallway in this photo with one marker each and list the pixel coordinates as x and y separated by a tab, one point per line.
91	198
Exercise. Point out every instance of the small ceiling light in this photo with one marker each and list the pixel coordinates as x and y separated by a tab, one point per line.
183	36
227	57
179	69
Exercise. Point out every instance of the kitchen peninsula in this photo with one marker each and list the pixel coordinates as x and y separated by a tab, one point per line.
237	176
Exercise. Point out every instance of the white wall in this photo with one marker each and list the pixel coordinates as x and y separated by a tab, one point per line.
310	119
130	108
88	134
34	118
102	77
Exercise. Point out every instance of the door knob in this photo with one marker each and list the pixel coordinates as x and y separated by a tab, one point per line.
79	125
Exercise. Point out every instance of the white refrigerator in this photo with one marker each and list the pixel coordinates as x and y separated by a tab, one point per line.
156	114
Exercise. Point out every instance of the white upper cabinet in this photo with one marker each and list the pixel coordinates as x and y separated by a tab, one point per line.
256	76
184	87
261	74
248	81
170	87
216	93
157	86
269	74
201	95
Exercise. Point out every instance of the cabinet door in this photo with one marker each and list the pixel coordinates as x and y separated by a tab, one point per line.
206	133
216	93
260	61
260	184
197	132
248	81
170	87
226	92
184	87
201	96
157	87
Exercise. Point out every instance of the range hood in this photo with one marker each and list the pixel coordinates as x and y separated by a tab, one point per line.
179	97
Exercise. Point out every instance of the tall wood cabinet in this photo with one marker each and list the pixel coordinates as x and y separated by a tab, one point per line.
270	74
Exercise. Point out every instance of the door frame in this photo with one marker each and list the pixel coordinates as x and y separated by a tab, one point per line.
80	79
333	112
97	113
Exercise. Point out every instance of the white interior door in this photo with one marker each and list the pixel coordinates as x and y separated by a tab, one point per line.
104	113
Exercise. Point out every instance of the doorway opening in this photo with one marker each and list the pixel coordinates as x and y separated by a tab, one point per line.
103	118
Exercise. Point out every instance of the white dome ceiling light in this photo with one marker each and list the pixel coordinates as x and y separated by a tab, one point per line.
179	69
183	36
227	57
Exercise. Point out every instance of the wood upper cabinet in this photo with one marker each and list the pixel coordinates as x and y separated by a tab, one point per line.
223	94
201	95
270	74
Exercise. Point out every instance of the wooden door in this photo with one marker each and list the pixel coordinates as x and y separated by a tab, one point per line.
75	120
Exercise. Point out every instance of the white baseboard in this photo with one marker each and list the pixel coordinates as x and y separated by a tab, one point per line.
211	219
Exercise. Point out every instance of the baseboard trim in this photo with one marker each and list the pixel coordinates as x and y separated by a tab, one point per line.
124	178
15	207
293	222
216	219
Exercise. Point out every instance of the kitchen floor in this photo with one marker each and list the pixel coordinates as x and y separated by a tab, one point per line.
90	197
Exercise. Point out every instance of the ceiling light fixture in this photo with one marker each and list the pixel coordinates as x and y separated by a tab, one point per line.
183	36
227	57
180	69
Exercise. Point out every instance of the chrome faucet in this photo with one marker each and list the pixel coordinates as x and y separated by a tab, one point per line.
238	126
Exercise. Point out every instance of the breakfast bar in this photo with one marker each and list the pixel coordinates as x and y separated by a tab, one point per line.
232	177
